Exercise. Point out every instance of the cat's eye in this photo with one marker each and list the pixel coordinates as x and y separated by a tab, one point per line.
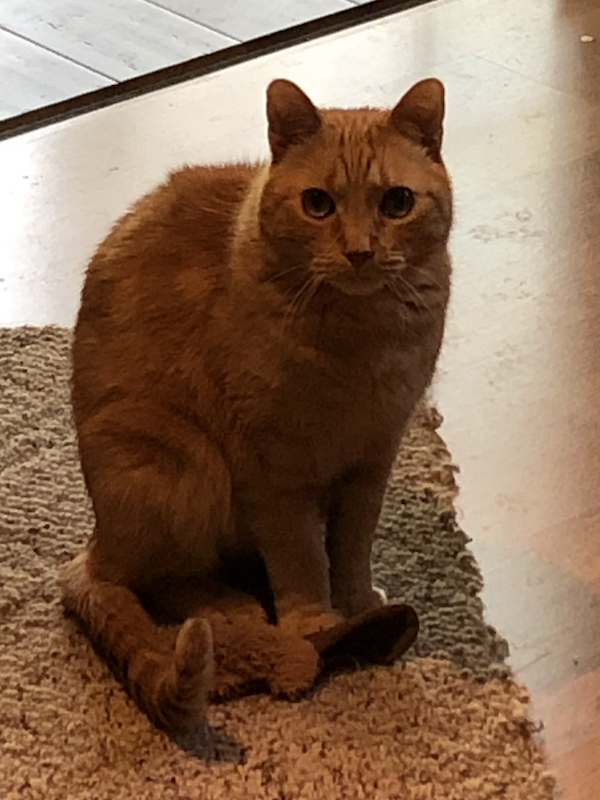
317	203
397	202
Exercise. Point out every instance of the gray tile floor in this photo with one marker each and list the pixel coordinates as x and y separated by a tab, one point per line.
51	50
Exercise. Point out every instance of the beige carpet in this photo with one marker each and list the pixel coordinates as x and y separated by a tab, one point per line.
449	722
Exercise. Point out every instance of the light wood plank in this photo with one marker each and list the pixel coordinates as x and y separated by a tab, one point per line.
246	20
221	116
571	713
118	38
31	77
571	63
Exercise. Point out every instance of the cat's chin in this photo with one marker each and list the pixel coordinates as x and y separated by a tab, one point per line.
354	286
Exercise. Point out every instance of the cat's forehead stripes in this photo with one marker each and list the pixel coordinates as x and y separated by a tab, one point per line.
355	156
357	160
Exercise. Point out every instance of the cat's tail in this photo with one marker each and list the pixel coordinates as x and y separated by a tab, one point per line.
169	677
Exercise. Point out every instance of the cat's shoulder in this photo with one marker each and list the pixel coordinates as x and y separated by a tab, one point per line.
194	205
200	184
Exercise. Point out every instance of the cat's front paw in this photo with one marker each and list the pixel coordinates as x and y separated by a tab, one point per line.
351	605
381	595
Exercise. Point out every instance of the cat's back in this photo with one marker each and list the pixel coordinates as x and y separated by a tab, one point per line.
185	224
154	278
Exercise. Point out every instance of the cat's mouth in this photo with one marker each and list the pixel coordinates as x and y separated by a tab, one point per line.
358	284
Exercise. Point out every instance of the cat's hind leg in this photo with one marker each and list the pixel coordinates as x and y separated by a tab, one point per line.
169	674
161	496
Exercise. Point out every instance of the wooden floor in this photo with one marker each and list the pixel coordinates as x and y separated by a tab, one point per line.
519	381
49	52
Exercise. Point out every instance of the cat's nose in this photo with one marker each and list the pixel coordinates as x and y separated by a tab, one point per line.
358	258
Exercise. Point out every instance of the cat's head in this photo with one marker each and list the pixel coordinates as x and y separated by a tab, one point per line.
355	199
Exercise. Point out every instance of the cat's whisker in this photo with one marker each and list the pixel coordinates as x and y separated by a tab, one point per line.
301	283
430	278
293	309
313	288
403	316
285	272
419	303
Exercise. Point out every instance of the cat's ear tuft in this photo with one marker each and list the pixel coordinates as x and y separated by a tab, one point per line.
420	114
292	117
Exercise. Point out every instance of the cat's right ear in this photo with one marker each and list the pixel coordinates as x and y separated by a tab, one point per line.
291	115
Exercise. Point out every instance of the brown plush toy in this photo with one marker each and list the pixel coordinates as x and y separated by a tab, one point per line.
228	645
251	654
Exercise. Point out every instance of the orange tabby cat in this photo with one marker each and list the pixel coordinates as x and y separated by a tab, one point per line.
251	342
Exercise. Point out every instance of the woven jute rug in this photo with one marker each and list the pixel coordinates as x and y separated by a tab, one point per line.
448	722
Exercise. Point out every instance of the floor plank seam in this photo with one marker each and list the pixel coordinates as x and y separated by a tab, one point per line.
203	25
56	53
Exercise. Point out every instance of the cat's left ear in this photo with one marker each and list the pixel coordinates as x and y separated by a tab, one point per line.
420	114
292	117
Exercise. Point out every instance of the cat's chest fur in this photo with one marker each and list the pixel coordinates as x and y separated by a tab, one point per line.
301	413
329	419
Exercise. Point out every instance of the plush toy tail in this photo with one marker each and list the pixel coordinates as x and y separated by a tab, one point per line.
169	680
379	636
